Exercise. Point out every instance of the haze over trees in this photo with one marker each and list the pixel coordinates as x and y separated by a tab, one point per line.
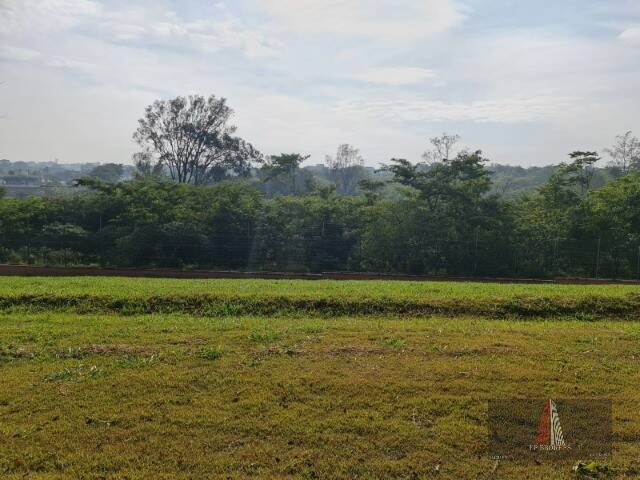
345	168
285	169
625	154
203	198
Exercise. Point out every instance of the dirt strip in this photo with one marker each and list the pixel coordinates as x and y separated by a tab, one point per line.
31	271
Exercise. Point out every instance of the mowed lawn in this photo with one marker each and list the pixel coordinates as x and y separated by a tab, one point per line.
326	298
187	397
148	287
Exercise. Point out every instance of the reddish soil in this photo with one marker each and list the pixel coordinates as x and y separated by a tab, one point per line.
29	271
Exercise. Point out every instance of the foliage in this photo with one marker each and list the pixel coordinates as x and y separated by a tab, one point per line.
592	470
284	171
191	137
441	218
110	172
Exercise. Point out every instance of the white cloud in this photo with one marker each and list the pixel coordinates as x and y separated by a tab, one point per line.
8	52
546	90
19	54
319	128
631	34
514	110
67	63
387	20
40	16
395	76
164	28
134	25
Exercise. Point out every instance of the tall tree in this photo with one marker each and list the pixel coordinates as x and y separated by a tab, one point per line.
625	153
371	189
284	166
570	180
459	180
192	138
443	148
345	168
147	167
451	213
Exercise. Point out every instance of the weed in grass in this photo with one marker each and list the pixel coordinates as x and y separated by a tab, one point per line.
438	347
81	372
264	335
26	338
592	470
394	342
225	324
311	329
211	353
589	341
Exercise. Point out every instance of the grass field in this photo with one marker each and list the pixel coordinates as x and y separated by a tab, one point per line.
146	287
295	396
323	298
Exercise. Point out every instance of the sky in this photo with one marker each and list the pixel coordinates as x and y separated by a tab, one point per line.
526	81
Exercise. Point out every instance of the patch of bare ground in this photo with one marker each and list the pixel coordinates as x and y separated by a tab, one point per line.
15	353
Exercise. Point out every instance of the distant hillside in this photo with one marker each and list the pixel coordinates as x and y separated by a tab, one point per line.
27	179
510	181
22	179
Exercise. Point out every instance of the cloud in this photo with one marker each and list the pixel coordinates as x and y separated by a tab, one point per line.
18	54
67	63
631	35
135	26
395	76
389	20
514	110
41	16
361	71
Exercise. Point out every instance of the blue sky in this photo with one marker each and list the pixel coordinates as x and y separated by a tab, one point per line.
525	81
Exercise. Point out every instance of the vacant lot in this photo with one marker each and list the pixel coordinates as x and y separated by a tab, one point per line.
325	298
294	396
146	287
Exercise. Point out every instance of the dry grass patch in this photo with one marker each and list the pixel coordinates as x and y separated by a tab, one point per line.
181	397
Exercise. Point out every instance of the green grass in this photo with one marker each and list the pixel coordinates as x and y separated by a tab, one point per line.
181	397
179	379
401	290
322	298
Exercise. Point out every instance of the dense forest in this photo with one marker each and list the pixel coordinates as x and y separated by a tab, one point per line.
201	197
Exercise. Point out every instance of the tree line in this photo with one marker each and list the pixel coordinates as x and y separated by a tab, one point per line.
204	198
